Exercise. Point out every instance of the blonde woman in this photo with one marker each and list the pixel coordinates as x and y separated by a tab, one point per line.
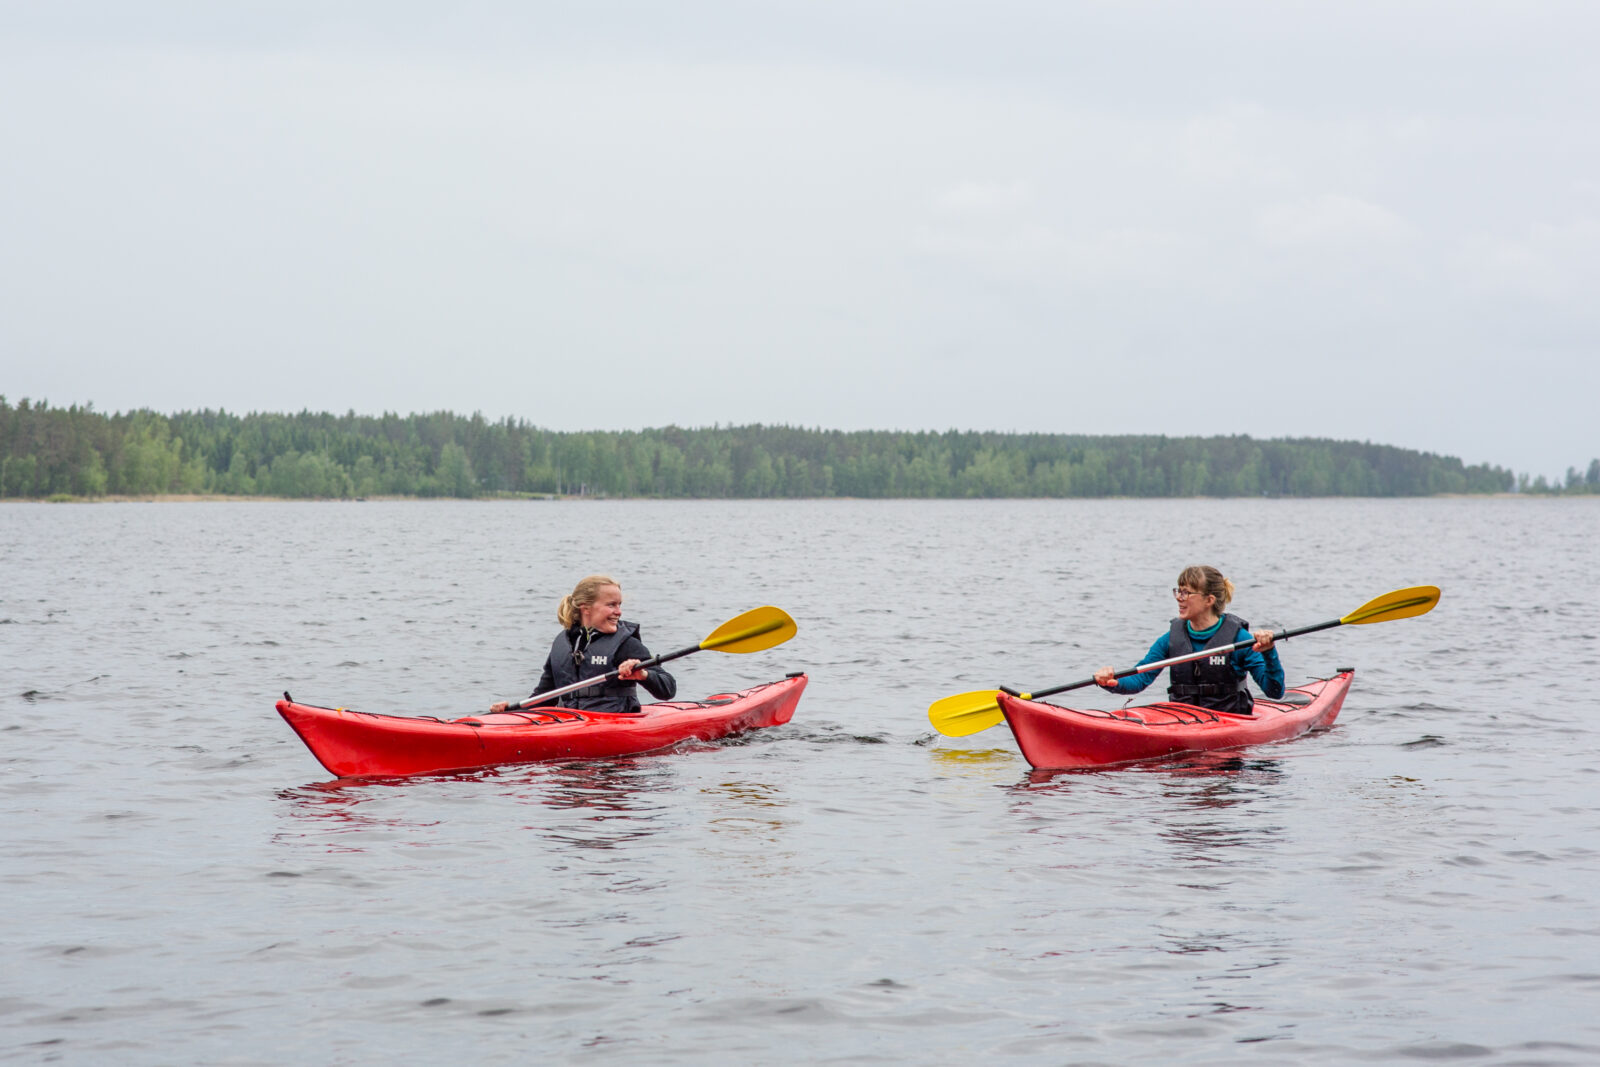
595	640
1215	682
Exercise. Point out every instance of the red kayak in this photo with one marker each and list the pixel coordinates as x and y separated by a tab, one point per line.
1057	738
359	744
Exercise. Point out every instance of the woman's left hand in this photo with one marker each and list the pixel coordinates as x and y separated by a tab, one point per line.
1263	641
628	671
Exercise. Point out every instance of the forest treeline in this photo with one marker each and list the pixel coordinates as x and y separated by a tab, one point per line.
76	451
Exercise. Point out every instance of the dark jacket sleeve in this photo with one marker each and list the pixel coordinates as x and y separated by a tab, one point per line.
660	684
547	679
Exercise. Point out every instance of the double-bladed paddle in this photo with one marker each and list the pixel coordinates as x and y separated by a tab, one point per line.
757	629
967	713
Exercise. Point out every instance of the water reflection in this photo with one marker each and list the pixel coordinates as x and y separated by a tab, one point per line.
1207	844
756	809
606	787
340	807
1197	804
609	803
613	803
1224	778
957	759
747	824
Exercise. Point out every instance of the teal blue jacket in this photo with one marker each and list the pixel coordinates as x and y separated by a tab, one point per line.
1265	668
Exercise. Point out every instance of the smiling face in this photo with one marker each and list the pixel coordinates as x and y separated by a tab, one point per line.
1196	607
606	611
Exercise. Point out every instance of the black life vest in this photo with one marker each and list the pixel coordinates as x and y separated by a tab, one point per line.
1210	682
596	657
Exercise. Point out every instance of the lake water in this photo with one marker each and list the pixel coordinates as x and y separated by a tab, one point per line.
184	884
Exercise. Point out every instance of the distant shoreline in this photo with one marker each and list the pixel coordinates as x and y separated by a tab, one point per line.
60	453
219	498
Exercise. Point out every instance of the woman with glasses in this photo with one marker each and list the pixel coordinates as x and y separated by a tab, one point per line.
595	640
1216	682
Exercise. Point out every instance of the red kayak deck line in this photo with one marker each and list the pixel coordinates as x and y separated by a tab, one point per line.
359	744
1057	738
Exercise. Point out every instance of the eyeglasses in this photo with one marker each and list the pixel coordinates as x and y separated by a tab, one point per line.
1185	594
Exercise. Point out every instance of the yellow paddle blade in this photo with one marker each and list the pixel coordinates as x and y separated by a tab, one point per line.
1400	604
966	713
753	631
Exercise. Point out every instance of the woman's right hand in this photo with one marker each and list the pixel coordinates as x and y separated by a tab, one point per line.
1106	677
499	706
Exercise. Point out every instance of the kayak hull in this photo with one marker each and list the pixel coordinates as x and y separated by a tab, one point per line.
359	744
1058	738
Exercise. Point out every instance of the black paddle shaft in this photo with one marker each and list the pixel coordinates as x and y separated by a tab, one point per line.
1236	646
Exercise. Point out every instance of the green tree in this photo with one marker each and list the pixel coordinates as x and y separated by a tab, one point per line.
455	472
149	461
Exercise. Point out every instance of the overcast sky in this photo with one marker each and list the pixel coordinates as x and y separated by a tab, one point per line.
1372	221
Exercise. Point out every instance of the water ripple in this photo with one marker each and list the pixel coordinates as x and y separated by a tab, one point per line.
184	884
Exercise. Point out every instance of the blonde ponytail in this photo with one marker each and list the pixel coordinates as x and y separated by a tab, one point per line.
586	592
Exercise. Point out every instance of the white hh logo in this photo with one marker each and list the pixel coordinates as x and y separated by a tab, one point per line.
1217	661
597	661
